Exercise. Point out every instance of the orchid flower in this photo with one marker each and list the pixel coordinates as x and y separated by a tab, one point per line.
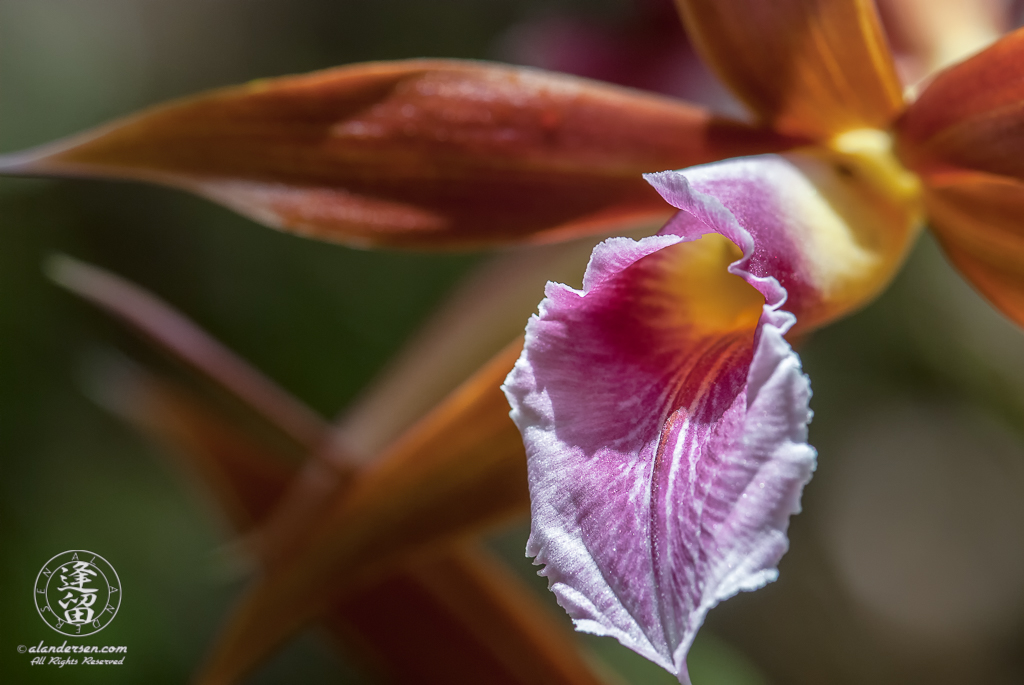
662	407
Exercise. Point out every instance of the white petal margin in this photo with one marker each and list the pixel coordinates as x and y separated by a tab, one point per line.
645	562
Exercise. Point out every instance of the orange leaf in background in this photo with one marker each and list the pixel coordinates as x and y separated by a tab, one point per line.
249	483
414	154
461	617
965	137
245	476
805	67
459	469
405	623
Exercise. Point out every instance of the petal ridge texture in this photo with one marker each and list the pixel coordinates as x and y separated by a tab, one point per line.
970	116
976	218
807	67
665	420
418	153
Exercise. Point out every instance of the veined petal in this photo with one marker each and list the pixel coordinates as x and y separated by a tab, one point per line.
645	460
806	67
415	153
977	218
664	413
971	116
831	228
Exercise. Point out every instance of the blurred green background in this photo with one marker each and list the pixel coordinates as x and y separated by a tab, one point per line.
907	564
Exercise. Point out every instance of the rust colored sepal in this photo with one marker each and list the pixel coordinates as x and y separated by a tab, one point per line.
459	616
451	611
460	469
244	476
977	218
970	117
454	615
806	67
415	153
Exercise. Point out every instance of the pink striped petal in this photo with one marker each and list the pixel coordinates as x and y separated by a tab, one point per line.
665	415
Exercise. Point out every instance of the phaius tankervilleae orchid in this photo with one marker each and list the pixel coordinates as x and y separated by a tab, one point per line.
663	411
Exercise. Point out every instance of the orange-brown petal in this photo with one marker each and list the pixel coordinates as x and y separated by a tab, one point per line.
459	469
971	116
460	617
806	67
244	475
977	219
414	153
456	615
415	617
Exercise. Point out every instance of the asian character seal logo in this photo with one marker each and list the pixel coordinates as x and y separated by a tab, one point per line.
77	593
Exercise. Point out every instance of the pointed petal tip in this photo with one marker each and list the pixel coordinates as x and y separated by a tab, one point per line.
63	269
593	568
645	424
38	160
17	163
168	328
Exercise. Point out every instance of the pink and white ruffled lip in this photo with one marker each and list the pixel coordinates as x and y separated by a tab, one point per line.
665	415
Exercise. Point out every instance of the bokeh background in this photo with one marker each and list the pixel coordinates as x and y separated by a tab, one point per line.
906	566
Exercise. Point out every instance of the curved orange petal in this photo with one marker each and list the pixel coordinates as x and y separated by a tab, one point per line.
245	476
971	116
416	615
461	617
977	218
481	316
456	613
807	67
459	469
413	153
